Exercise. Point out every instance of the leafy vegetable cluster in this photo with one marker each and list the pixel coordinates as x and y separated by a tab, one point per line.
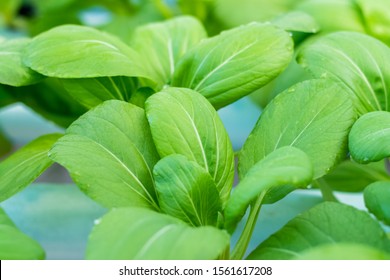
145	139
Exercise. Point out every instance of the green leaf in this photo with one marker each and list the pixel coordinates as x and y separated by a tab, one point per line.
161	45
183	122
110	155
343	251
377	200
233	64
5	144
356	60
350	176
142	234
15	245
376	18
72	51
93	91
12	71
284	166
369	139
326	223
314	116
297	21
25	165
334	15
186	191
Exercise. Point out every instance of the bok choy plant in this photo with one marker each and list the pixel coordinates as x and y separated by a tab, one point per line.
152	148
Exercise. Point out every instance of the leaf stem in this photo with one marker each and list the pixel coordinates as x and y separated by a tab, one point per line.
326	190
242	244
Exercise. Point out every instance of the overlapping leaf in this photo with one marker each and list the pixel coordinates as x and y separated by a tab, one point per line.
183	122
284	166
142	234
358	61
161	45
326	223
233	64
377	200
12	71
314	116
370	137
186	191
110	155
25	165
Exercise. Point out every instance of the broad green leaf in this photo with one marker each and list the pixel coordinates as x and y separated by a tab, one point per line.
161	45
326	223
343	251
334	15
25	165
183	122
186	191
141	234
377	200
297	21
369	139
234	63
350	176
15	245
72	51
356	60
284	166
110	155
314	116
376	17
12	71
93	91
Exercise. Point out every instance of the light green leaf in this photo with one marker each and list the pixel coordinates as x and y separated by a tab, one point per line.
377	200
356	60
297	21
350	176
343	251
233	64
161	45
334	15
186	191
314	116
110	155
326	223
91	92
376	18
25	165
284	166
183	122
15	245
12	71
369	139
142	234
72	51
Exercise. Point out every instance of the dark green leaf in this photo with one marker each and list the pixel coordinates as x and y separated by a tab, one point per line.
286	165
110	155
12	71
183	122
91	92
327	223
143	234
369	139
24	166
356	60
233	64
314	116
186	191
161	45
377	200
72	51
15	245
